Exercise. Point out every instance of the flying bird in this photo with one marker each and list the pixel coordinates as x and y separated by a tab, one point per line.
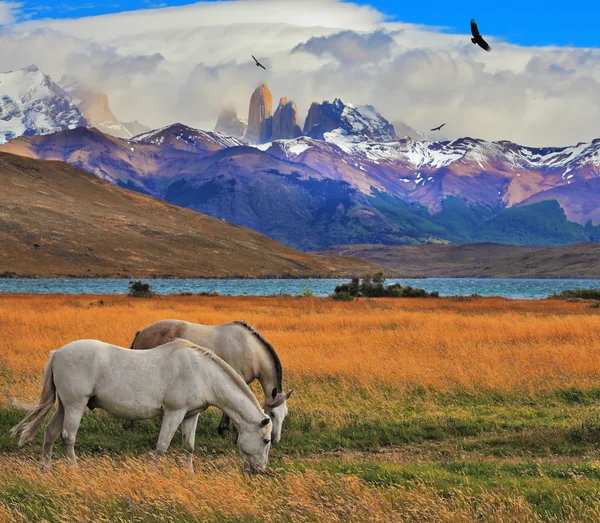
438	128
258	64
477	38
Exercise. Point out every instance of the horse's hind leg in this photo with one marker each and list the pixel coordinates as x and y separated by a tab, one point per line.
171	420
52	432
188	430
73	414
223	428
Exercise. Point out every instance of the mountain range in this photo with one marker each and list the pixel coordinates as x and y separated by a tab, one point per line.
59	221
344	177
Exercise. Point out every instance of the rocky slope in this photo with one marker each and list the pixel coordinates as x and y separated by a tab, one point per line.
58	221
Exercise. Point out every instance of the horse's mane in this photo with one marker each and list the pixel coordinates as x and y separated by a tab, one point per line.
202	351
270	350
135	338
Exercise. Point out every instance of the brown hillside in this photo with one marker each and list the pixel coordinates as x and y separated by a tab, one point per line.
481	260
56	220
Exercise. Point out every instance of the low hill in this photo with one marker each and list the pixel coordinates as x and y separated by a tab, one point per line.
57	221
481	260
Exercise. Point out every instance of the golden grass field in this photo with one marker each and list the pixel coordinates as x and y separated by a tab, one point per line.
405	409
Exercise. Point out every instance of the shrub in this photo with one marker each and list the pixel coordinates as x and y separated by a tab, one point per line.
208	293
306	293
374	287
341	296
584	294
137	289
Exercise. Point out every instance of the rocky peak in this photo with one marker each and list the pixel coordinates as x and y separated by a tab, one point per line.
285	121
259	115
95	108
349	120
229	123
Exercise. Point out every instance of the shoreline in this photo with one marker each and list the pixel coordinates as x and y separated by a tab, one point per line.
292	277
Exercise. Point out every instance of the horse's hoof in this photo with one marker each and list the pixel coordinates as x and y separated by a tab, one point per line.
129	426
223	432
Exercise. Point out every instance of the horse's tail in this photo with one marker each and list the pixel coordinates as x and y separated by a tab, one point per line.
134	338
30	423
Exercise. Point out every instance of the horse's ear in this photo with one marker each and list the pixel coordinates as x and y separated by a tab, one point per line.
265	422
287	396
274	393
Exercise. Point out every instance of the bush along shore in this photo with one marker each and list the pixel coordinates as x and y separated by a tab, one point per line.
582	294
375	287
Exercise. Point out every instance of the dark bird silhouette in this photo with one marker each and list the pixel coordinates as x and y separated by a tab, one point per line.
438	128
477	38
258	64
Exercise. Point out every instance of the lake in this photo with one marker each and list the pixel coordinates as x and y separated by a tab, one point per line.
508	288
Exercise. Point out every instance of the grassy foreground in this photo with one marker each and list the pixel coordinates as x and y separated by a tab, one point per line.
407	410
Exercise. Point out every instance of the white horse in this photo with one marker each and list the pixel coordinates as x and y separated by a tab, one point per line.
237	343
178	380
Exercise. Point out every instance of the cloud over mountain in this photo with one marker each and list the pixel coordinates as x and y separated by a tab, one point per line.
185	63
350	47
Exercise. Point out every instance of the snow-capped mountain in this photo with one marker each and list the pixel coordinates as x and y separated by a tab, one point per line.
31	104
186	138
346	120
499	174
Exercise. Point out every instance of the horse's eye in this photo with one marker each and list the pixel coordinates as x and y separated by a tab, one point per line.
272	415
267	441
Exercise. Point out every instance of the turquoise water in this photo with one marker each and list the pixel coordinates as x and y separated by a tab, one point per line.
508	288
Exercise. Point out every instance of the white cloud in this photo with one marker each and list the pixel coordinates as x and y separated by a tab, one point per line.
8	12
182	64
350	47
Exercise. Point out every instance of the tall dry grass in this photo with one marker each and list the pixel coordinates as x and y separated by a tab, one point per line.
103	489
483	344
335	352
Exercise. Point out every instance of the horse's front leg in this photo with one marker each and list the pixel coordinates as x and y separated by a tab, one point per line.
171	420
188	430
223	429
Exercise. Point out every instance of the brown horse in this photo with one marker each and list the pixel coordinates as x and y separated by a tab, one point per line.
238	344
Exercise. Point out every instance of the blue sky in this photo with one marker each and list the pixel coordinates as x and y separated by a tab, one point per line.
522	22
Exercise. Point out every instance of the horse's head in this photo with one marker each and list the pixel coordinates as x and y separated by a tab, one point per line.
276	408
254	443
